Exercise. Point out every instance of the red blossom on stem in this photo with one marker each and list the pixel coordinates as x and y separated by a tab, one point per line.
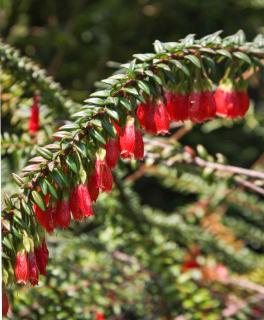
33	269
42	256
33	125
154	117
112	152
131	142
177	106
21	268
80	202
62	214
104	179
93	187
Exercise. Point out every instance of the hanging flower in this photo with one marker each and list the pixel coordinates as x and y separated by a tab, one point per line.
112	152
21	268
104	179
42	256
62	214
33	125
139	145
153	117
130	141
45	218
33	269
80	202
229	102
177	106
5	304
208	105
93	187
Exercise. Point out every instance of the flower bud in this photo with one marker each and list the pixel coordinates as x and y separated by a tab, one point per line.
21	268
5	304
33	125
42	256
33	269
112	152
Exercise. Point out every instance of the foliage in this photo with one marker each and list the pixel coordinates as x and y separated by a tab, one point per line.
130	257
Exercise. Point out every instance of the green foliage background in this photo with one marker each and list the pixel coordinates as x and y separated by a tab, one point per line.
127	261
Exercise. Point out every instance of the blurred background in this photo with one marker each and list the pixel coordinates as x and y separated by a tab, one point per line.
127	263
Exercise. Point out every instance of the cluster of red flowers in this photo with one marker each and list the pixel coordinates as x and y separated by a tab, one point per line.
33	124
28	266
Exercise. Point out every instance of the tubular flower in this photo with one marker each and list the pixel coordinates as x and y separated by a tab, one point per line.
33	125
93	187
99	316
127	140
5	304
153	117
104	179
208	105
45	218
62	214
21	268
80	202
42	256
33	269
131	142
230	102
177	106
196	111
112	152
139	145
243	102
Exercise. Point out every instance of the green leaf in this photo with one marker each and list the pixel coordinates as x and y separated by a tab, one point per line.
45	153
95	134
109	127
70	126
131	90
181	66
163	66
52	189
194	60
38	200
101	93
144	87
113	114
125	103
158	47
72	164
19	181
43	185
242	56
225	53
144	57
95	101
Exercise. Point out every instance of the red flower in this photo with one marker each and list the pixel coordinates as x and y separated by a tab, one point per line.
153	117
93	187
131	142
196	111
208	104
33	269
139	145
104	179
42	256
99	316
45	218
33	125
231	99
112	152
177	106
243	102
5	304
21	268
62	214
80	202
127	140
